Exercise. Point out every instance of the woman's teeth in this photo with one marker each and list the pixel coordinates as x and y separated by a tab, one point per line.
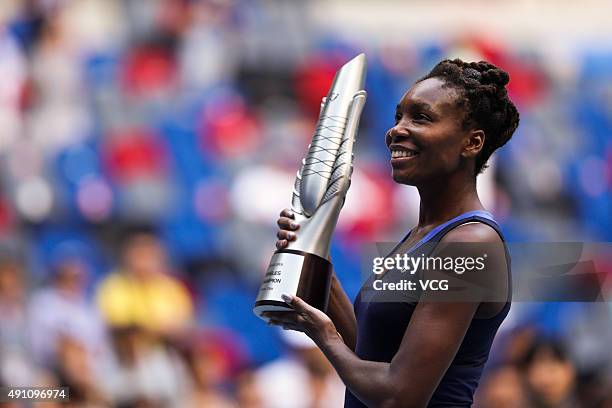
396	154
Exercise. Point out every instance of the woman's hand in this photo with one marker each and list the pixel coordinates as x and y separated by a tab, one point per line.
287	225
307	319
340	308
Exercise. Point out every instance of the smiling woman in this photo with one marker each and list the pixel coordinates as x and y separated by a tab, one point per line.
425	352
453	99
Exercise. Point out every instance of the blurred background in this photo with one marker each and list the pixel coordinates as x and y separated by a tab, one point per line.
147	147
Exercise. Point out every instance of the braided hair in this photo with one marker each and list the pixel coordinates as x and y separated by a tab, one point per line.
483	93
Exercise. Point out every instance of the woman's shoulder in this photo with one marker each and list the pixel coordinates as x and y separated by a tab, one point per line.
474	239
476	232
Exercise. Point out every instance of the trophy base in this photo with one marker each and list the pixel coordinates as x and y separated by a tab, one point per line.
313	286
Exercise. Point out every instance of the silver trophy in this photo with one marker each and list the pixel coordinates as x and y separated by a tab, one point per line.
303	267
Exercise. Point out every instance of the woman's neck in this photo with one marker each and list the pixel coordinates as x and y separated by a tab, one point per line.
442	201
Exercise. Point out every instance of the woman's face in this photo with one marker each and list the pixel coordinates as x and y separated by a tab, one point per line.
428	141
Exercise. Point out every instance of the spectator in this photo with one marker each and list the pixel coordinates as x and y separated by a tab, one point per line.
142	292
210	369
550	375
502	388
247	393
304	377
16	367
75	370
63	309
148	374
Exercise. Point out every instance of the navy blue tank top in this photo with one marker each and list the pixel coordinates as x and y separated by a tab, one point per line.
381	327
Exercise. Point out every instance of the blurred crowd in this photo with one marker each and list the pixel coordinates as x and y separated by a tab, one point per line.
147	146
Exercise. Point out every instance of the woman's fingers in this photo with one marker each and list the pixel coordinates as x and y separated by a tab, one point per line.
285	325
305	318
287	320
287	213
298	304
284	235
287	235
287	223
284	317
293	327
289	316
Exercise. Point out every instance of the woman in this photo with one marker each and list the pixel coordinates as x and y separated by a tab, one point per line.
425	353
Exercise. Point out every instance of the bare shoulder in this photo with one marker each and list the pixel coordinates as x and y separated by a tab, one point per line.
472	239
472	232
479	241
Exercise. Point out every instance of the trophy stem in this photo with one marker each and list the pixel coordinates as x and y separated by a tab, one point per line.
314	285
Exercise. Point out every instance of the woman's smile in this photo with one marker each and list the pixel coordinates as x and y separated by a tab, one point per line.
402	154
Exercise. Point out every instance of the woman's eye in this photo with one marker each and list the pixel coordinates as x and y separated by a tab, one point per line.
422	117
398	117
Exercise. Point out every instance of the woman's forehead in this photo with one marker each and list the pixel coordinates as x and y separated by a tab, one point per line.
433	92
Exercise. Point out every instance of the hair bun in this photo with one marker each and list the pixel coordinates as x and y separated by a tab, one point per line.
484	97
496	77
472	73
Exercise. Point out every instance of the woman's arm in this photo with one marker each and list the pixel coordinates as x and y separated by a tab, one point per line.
341	312
340	308
431	340
433	336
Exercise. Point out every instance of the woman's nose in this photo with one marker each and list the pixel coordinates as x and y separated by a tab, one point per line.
395	133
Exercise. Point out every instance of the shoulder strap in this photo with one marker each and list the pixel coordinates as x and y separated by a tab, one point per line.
472	218
490	221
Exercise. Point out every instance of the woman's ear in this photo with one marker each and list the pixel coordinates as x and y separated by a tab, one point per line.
474	143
